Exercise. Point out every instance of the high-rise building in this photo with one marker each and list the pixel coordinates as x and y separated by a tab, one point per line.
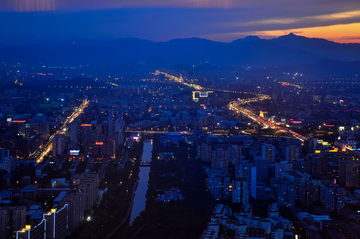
262	170
268	152
301	184
242	170
5	160
89	188
57	222
29	128
226	187
58	144
313	195
204	152
12	219
311	145
292	154
43	128
75	204
334	198
216	186
110	126
36	232
106	148
342	172
224	165
286	194
75	132
91	135
221	154
54	225
235	154
281	168
120	130
253	182
240	191
353	175
219	184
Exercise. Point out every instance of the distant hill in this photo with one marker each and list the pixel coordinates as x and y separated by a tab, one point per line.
325	67
250	51
322	47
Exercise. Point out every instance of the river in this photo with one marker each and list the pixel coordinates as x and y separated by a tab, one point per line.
140	193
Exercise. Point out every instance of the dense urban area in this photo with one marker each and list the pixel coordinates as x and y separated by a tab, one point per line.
200	151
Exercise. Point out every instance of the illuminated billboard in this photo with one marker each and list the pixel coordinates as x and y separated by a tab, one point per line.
74	152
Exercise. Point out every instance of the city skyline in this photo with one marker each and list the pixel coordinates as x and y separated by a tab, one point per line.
195	119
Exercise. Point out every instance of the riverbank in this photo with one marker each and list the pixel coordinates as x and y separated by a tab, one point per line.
139	199
116	205
140	193
176	219
125	217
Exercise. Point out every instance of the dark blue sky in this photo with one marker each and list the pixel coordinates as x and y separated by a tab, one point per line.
161	20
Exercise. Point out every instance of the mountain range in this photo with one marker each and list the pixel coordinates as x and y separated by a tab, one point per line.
250	51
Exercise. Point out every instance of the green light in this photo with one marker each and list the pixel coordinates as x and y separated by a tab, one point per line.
47	99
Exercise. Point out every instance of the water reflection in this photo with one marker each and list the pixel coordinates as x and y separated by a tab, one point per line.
140	193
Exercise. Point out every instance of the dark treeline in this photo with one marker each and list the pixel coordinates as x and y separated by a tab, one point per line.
116	202
177	219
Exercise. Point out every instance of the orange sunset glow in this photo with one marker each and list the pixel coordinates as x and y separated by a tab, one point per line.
348	33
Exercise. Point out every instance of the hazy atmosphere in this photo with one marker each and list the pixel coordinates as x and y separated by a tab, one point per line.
162	20
179	119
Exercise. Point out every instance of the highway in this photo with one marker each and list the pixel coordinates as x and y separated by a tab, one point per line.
45	149
179	80
236	107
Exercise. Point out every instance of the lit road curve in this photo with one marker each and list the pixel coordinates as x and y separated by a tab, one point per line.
179	80
235	106
45	149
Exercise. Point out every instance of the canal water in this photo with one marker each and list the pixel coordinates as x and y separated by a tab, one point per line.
140	193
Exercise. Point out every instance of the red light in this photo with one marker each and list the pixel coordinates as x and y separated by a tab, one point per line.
18	121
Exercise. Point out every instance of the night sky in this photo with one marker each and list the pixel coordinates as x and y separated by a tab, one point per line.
162	20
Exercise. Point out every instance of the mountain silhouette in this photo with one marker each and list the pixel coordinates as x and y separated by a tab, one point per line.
249	51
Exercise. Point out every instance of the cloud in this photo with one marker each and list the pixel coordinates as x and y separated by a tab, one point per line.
350	38
269	5
34	5
161	20
306	19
